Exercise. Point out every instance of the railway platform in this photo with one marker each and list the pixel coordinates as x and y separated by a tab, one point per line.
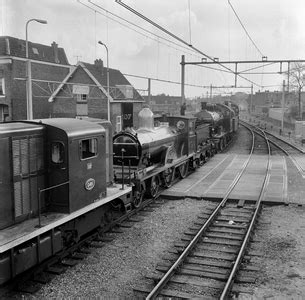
212	180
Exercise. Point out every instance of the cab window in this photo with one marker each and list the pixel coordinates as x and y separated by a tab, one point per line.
88	148
57	152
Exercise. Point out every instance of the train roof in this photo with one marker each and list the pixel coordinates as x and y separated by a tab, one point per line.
73	127
18	127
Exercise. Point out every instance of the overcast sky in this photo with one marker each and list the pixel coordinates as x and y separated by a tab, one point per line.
276	26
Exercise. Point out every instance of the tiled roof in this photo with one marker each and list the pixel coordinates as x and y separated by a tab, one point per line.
10	46
116	78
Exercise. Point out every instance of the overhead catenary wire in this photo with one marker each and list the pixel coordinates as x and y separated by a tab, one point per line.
181	40
190	31
243	26
185	49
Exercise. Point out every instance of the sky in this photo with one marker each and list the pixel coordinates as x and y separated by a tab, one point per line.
276	27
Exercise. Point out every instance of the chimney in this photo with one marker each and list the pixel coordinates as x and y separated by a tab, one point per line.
100	64
55	52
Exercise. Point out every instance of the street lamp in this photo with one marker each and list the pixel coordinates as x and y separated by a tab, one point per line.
29	101
108	95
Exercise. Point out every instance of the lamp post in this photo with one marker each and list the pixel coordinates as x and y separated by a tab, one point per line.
108	95
29	102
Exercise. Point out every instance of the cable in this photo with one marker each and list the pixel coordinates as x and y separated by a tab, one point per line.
242	25
189	3
178	82
179	39
133	24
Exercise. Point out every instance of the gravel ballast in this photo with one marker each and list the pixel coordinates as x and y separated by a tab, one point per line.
113	271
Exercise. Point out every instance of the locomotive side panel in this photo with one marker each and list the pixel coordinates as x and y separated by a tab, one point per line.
22	147
202	133
6	200
57	157
109	149
77	162
87	177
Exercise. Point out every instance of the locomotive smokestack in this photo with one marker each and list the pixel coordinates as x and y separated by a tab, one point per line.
146	119
203	105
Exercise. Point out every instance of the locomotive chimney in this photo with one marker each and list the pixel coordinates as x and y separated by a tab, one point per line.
146	119
203	105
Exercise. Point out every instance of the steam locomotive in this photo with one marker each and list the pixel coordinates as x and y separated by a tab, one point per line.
152	156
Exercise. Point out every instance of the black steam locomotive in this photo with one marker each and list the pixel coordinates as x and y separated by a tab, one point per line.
152	156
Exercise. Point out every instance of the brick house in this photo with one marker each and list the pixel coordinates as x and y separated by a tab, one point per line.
49	66
160	104
60	89
83	93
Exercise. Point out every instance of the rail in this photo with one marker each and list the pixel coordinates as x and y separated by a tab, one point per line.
238	260
164	280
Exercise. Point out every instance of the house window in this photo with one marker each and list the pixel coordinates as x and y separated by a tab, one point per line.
2	87
81	98
35	50
88	148
3	113
82	105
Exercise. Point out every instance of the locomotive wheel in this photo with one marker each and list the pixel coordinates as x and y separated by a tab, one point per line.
153	186
168	176
221	145
183	169
138	198
108	216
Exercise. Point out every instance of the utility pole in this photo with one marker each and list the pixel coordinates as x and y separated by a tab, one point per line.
182	78
211	91
251	99
149	90
283	106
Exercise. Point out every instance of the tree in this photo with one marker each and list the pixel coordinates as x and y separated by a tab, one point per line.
296	79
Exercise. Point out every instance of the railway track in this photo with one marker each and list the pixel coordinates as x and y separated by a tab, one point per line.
209	258
288	148
280	146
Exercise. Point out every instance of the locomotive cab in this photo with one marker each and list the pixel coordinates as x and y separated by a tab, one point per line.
76	168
